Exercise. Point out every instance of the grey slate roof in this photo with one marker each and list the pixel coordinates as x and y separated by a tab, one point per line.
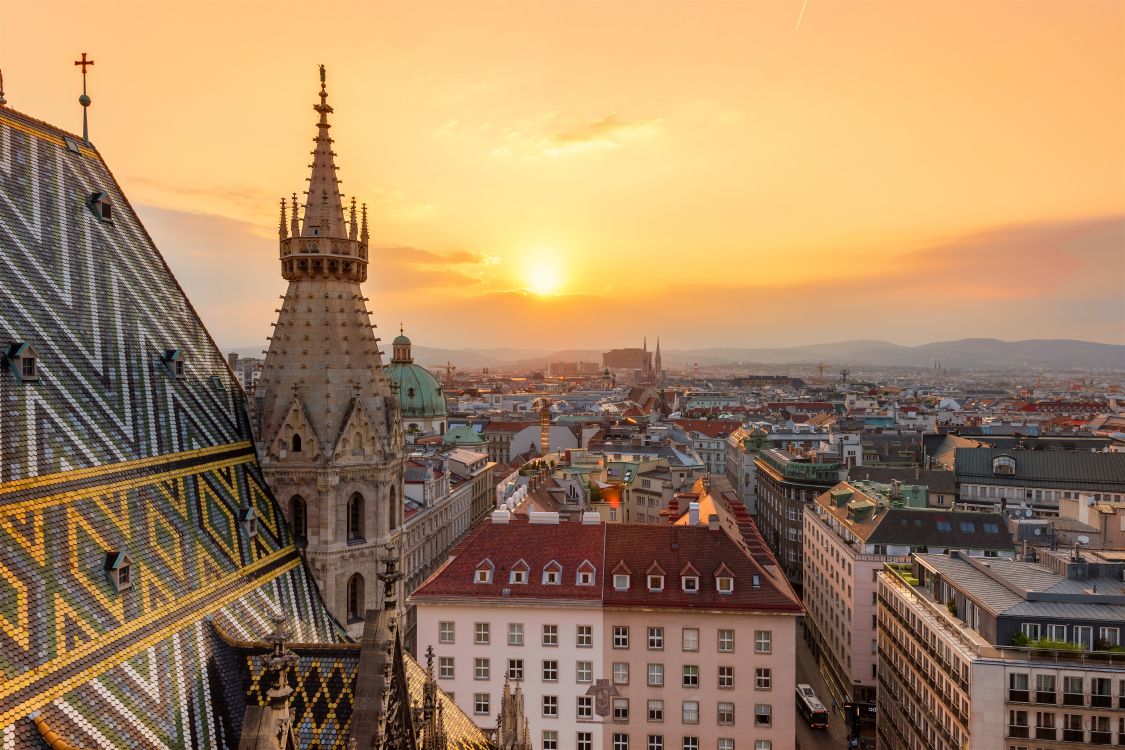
1097	472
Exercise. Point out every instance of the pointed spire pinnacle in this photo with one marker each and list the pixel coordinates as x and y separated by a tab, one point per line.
294	222
363	226
324	213
353	227
281	222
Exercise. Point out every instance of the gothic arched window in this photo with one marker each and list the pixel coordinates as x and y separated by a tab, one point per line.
355	598
296	443
298	518
392	510
355	518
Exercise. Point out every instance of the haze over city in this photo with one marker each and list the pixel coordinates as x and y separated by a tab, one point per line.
583	174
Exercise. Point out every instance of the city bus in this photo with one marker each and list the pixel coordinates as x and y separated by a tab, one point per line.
816	715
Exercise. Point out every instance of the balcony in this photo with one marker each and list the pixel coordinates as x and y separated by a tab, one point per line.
1073	735
1018	731
1074	699
1019	696
1046	733
1048	699
1100	738
1097	700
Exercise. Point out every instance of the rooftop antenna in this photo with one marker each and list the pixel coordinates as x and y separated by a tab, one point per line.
84	100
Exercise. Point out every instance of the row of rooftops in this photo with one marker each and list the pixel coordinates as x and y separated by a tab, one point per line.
541	558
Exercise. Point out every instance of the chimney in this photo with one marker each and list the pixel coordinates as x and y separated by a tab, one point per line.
713	522
693	514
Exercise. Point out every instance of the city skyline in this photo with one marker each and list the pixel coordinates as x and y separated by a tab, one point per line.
523	188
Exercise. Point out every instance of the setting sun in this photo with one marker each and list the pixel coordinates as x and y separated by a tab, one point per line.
543	277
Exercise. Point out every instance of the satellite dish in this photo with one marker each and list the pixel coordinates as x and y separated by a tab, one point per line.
1027	513
1083	539
1038	532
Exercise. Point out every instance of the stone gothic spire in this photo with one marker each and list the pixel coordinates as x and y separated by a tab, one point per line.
324	209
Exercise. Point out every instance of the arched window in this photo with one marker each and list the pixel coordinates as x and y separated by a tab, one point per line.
298	518
355	598
392	510
296	443
355	518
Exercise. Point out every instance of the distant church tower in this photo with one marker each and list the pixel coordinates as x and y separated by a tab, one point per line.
658	370
328	426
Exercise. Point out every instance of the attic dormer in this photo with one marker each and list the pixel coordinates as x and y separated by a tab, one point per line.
689	579
483	572
552	573
654	577
22	361
724	580
173	361
1005	465
519	572
119	570
101	206
248	519
622	577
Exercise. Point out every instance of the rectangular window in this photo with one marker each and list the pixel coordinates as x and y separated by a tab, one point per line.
515	669
551	706
515	633
656	639
481	669
550	739
1109	637
690	743
655	583
1056	632
621	673
445	667
656	710
763	715
656	742
550	635
689	711
621	709
1031	630
763	745
656	675
726	743
481	704
726	714
620	636
583	671
691	639
550	670
585	636
620	740
585	707
584	741
482	634
620	582
763	678
763	642
445	632
726	678
726	641
691	676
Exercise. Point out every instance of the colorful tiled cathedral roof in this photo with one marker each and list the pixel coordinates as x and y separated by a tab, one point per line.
137	536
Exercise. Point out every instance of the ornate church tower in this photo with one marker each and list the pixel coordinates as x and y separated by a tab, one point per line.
328	426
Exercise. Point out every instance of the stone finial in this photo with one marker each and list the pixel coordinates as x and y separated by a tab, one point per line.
281	222
363	226
353	228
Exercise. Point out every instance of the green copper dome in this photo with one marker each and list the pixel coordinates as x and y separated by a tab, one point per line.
462	435
419	393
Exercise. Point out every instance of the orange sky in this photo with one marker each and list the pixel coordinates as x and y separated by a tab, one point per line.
707	172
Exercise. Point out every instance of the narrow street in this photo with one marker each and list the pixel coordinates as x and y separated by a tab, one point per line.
836	734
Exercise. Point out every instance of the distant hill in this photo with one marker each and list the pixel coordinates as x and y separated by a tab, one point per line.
965	354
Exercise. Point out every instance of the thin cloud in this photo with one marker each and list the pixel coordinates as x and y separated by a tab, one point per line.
552	140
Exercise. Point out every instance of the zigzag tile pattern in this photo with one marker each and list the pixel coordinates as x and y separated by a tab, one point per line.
109	451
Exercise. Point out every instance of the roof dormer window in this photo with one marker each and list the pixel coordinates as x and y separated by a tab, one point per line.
586	574
248	518
656	583
724	580
519	573
1004	465
173	361
621	582
483	572
552	573
23	361
102	206
689	579
119	570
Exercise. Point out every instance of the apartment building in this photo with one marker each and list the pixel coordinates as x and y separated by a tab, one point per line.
850	532
622	636
787	483
1006	654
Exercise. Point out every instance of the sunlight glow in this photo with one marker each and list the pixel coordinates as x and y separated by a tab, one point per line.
542	277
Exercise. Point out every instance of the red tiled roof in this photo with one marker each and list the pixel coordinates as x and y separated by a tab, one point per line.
712	428
568	543
676	548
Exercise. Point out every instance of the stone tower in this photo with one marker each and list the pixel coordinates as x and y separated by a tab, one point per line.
328	426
